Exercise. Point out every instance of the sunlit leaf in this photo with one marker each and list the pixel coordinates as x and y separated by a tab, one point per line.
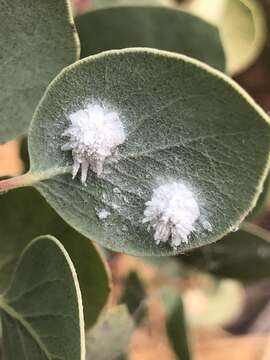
242	26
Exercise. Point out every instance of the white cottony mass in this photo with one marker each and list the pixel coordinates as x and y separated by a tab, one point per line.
172	212
94	134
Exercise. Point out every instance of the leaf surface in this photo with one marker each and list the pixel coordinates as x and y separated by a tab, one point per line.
37	40
140	26
25	215
189	124
41	312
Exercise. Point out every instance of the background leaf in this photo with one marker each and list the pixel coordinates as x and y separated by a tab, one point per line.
242	26
135	26
37	39
190	123
133	296
108	339
243	255
42	312
24	215
176	323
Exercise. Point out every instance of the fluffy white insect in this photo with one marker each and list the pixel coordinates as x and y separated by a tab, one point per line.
94	134
172	212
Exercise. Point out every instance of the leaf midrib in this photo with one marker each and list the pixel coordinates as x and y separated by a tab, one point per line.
5	307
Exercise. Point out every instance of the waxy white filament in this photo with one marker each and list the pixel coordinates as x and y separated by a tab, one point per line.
172	212
94	134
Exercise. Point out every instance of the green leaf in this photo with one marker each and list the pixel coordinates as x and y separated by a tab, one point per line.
24	215
109	338
37	39
242	26
42	313
176	323
183	120
133	296
243	255
122	27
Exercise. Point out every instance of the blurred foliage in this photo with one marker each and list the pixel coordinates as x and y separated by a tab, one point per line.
133	296
243	255
242	25
176	323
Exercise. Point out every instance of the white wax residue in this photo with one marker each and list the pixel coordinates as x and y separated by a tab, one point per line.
172	212
103	214
94	134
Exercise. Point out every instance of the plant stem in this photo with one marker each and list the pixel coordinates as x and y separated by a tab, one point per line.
16	182
30	178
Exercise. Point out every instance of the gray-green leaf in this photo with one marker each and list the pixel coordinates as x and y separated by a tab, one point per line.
184	122
155	27
25	215
37	39
42	313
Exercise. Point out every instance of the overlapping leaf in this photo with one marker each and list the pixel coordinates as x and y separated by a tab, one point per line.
24	215
140	26
41	312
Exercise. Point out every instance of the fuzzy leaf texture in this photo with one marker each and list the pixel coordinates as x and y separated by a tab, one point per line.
185	124
139	26
37	40
41	312
25	215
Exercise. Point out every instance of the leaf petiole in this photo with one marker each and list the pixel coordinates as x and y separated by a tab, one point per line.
31	178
